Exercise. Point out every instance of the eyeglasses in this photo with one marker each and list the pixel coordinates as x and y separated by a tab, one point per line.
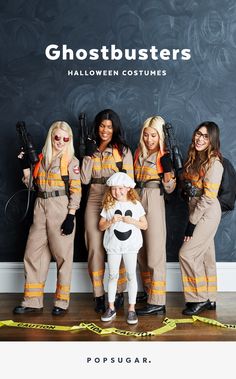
198	134
65	139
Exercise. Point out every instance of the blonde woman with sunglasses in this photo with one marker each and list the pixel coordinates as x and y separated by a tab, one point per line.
57	178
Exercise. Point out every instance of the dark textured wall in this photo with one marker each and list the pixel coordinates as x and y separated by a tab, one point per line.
37	90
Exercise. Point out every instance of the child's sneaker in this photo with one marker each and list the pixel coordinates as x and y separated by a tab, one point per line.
108	315
132	318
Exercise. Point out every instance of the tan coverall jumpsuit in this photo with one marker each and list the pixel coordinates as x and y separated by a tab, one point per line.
100	167
152	256
45	239
197	256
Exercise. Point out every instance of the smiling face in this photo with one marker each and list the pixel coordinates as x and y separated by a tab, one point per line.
151	139
60	139
105	131
120	193
201	139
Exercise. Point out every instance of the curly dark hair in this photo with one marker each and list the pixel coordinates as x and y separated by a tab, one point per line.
118	134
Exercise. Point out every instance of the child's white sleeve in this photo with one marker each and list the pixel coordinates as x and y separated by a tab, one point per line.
141	210
103	213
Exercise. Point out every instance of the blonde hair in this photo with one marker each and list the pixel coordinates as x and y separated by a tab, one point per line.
69	147
109	201
157	123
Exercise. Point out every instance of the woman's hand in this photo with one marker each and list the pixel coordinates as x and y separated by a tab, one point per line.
68	225
189	232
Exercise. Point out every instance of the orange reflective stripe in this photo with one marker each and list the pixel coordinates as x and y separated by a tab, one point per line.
211	278
61	296
75	190
51	183
97	273
196	289
200	289
33	294
64	165
63	288
158	163
122	280
97	283
194	280
212	288
158	292
210	193
158	283
34	285
122	270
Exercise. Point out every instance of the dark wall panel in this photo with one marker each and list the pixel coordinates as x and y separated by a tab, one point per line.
39	91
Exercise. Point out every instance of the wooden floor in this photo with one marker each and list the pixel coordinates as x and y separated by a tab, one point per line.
81	310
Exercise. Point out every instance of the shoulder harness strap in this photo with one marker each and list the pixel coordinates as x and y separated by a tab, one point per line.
64	173
118	158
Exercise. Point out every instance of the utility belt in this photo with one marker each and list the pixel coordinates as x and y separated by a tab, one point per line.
101	180
148	184
46	195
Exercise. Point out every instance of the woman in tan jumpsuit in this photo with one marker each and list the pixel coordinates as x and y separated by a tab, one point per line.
201	181
104	156
153	175
52	231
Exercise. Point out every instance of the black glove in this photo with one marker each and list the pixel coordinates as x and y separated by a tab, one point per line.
90	147
166	163
23	160
68	225
189	229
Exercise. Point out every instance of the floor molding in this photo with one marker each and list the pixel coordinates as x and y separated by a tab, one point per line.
12	277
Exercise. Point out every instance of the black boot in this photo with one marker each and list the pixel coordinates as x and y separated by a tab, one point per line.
212	306
100	306
196	308
151	309
119	300
142	297
22	310
57	311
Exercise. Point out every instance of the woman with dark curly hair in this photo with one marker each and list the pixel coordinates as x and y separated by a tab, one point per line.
201	181
106	154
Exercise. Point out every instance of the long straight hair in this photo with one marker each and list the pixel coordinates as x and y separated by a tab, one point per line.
69	147
199	162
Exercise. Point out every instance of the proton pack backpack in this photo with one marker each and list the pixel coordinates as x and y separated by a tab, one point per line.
227	190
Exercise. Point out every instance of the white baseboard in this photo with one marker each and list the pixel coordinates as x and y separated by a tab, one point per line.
12	277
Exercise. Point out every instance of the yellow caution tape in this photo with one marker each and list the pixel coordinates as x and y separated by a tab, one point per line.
89	326
170	324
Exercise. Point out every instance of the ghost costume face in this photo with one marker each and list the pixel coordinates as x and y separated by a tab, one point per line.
121	237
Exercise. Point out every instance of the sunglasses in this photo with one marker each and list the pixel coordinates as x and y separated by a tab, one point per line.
65	139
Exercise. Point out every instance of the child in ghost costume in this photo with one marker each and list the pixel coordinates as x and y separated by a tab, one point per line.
122	219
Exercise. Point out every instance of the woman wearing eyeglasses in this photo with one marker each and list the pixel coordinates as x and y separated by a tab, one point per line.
57	179
201	181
